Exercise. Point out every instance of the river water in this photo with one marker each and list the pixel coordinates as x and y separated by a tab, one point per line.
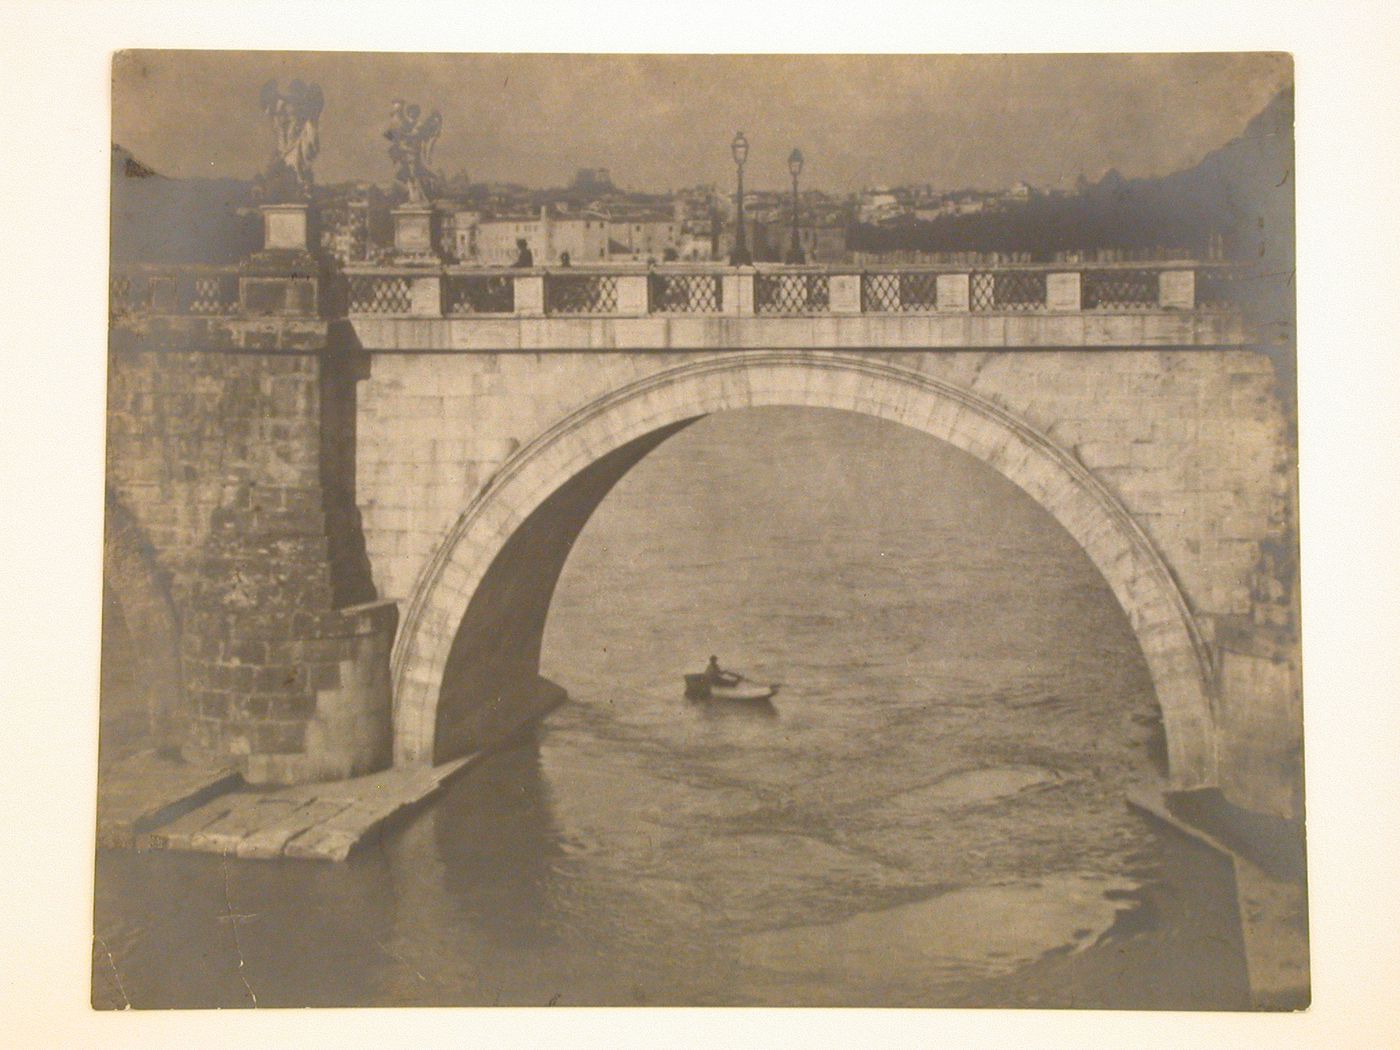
932	812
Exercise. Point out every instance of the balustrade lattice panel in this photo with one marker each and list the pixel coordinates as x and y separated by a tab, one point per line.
1217	289
493	294
379	294
890	292
982	291
173	292
685	293
880	293
1119	289
580	293
791	293
1008	290
213	294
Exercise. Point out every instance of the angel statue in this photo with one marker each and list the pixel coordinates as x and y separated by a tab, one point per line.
294	118
411	140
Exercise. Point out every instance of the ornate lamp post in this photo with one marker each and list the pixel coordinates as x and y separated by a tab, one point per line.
740	256
795	166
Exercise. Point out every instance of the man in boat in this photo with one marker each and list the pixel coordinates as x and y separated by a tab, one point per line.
715	676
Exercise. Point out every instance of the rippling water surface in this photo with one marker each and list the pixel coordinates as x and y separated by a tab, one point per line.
931	813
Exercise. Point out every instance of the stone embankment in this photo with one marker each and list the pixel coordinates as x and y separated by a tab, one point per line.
150	802
1270	888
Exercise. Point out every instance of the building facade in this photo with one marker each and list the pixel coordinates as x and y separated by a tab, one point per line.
582	237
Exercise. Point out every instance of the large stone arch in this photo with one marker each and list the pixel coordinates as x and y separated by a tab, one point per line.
131	573
511	542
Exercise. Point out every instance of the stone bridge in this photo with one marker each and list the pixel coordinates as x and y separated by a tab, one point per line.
339	501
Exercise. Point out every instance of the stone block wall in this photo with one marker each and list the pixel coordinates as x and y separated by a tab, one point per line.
220	459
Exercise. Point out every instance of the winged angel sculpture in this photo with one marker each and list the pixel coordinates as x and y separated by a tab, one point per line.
412	137
294	118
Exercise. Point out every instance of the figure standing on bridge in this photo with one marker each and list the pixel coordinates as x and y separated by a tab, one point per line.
524	258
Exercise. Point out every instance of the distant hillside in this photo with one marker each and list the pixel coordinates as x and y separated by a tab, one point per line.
1242	193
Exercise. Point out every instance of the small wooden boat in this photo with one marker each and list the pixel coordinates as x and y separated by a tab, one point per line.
699	687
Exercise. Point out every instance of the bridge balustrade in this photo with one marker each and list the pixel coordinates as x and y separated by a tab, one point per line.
379	293
1219	288
1120	289
896	292
478	294
197	290
685	293
1012	290
580	293
791	293
462	292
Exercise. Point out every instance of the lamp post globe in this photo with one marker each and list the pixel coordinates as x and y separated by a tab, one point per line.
740	148
740	255
795	167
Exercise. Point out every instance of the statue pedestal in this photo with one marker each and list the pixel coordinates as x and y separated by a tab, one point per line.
413	234
286	227
284	278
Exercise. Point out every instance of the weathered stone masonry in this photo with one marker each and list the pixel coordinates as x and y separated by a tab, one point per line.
227	461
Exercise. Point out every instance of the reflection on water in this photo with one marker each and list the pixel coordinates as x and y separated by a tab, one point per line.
931	812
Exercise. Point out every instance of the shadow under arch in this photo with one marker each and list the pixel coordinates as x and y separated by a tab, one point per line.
481	602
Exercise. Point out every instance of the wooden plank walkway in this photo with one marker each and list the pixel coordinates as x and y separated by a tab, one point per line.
308	821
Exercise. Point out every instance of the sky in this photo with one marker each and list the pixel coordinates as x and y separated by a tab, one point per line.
665	121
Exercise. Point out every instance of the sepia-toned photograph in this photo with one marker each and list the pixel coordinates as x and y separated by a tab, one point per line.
701	530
